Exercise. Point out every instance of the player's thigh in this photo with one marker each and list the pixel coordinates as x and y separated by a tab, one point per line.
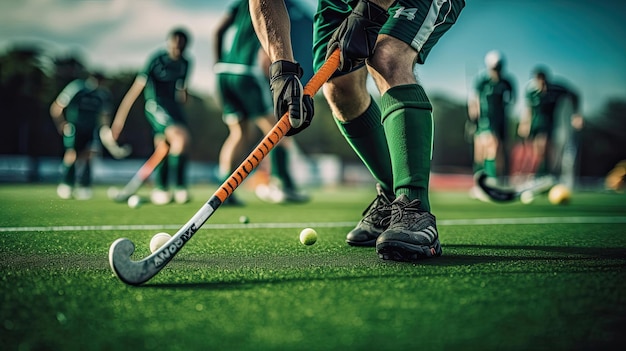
158	117
421	24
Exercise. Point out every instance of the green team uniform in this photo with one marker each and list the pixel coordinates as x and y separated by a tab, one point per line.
543	106
242	86
394	140
415	22
494	97
163	77
83	107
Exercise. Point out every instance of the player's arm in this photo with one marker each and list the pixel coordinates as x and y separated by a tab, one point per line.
473	102
61	102
105	112
577	118
272	25
56	112
218	39
127	102
181	87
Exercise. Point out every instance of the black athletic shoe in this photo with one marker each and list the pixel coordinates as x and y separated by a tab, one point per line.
412	233
375	220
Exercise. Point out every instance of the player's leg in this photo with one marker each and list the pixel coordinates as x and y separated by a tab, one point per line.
539	155
87	145
232	150
411	31
159	119
358	118
282	187
491	152
68	165
178	137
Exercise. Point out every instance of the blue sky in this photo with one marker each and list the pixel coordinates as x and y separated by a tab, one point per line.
581	41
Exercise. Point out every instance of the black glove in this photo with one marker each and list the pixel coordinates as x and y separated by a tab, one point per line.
356	35
288	95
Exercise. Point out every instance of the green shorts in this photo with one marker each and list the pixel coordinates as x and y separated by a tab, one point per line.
244	97
417	23
492	126
161	115
81	139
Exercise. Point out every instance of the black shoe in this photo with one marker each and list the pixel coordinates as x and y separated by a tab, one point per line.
412	234
375	220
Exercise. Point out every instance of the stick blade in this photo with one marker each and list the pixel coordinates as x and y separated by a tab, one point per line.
128	271
495	193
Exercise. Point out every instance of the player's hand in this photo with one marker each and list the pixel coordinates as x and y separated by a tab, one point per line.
288	95
356	36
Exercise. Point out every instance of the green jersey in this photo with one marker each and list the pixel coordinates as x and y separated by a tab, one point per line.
241	44
494	98
163	77
84	104
543	105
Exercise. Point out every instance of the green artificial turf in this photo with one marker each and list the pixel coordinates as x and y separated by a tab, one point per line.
512	284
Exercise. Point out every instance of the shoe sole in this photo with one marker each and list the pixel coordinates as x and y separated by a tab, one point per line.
369	243
395	250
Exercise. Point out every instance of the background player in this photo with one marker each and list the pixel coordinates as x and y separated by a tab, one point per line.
78	112
241	71
539	120
163	81
493	94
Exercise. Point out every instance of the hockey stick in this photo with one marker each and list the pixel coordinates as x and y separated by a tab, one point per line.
138	272
142	174
501	194
106	138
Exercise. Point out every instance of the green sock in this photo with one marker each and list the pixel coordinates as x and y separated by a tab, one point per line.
69	174
490	167
478	167
280	169
366	136
162	174
408	122
179	164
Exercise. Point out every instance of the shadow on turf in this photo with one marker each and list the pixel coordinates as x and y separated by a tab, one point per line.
493	254
453	256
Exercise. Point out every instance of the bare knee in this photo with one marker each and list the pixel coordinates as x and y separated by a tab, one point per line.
347	95
178	138
392	63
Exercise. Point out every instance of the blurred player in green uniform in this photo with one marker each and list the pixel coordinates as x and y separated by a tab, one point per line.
488	106
163	81
394	137
241	71
540	120
78	112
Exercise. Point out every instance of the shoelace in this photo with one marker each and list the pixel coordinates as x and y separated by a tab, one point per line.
398	209
376	212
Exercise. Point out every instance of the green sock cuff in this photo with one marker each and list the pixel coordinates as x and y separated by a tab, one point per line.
403	96
370	119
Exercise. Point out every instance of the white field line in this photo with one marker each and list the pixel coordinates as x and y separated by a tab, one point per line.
448	222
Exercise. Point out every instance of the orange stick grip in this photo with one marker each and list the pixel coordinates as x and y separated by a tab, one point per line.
157	156
277	132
